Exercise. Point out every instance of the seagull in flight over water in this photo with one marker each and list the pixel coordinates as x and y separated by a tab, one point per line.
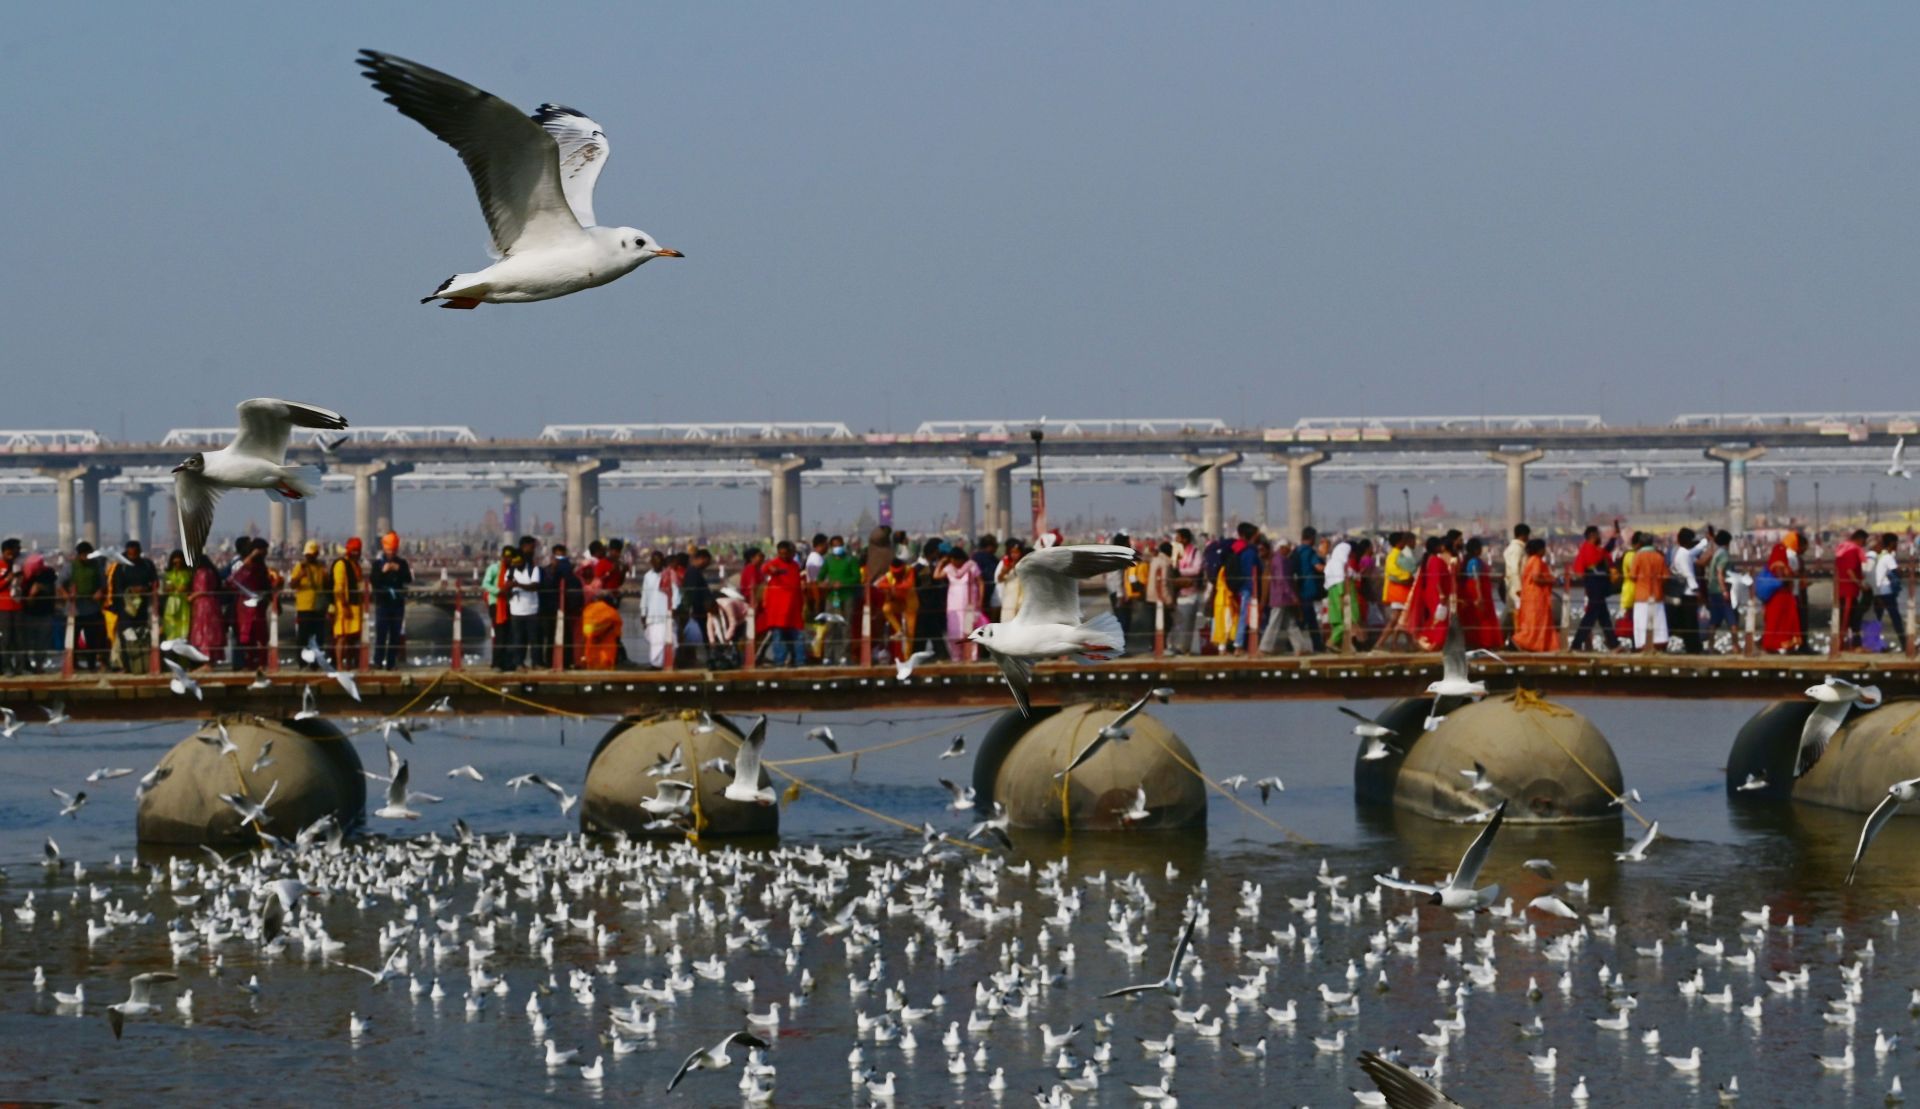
1458	892
1049	623
256	459
534	176
1170	983
1898	794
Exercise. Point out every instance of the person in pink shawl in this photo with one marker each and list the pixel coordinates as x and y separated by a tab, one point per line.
209	625
963	601
250	616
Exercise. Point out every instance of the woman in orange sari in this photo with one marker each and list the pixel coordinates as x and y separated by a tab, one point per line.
1479	623
1533	626
1782	631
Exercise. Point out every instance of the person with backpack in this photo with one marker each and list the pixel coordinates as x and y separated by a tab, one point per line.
1309	584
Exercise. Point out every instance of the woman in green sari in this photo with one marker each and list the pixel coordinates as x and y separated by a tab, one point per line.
176	611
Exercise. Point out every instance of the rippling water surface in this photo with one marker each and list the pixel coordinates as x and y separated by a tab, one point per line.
289	1044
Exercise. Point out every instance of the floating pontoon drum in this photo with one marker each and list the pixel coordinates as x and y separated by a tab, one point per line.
617	778
1019	757
1550	761
314	772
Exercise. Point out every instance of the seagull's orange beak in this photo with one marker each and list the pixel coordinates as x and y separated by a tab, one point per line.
663	252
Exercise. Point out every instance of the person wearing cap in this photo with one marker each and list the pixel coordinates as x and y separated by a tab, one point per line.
390	577
348	606
310	584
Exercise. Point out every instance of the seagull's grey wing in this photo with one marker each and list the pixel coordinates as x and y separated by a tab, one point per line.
1099	741
1018	673
194	497
1822	723
1127	991
1050	579
1453	652
116	1020
141	985
1402	1088
1132	710
583	154
1195	474
1476	856
1876	820
1180	946
1645	841
1402	884
746	760
514	163
397	789
698	1053
393	762
267	424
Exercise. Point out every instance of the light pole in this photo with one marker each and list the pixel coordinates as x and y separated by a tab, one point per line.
1038	493
1816	512
1406	499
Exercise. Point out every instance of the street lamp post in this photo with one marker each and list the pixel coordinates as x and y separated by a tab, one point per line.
1039	490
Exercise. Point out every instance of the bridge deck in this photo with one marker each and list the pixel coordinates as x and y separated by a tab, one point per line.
479	691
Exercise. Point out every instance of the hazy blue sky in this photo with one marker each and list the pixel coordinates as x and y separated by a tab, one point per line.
897	212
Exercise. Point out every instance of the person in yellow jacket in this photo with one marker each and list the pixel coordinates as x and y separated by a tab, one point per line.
311	583
349	604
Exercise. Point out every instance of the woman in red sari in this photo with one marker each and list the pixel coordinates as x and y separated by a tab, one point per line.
209	632
1533	625
1479	623
1439	595
1783	608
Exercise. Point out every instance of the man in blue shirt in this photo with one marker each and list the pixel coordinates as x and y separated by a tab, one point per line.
1310	583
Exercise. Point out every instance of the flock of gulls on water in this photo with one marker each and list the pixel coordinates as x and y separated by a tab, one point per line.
949	953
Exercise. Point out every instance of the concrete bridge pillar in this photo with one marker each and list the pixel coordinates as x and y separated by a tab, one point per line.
296	526
510	521
277	525
583	499
1212	511
367	507
1734	460
1516	462
1300	489
1577	502
883	487
1260	480
1370	505
764	495
785	474
1169	510
964	521
1782	507
89	478
1637	492
996	479
135	504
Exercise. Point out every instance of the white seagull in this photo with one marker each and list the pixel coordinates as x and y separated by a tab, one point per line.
715	1057
139	1000
1170	983
1638	852
1049	623
181	682
1190	489
1835	698
256	459
1116	728
1458	893
1898	794
745	786
534	176
1898	466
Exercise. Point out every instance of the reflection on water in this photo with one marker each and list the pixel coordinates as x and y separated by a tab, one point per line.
293	1035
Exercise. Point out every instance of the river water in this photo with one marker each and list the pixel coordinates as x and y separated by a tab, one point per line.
289	1043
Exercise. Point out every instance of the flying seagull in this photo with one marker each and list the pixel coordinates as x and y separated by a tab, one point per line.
139	1000
1835	698
1455	681
1898	794
746	785
1458	893
1898	466
1049	623
1170	983
1400	1087
1638	852
534	176
715	1057
1116	728
1190	488
256	459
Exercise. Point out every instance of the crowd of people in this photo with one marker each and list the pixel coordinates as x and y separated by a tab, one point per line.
831	601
